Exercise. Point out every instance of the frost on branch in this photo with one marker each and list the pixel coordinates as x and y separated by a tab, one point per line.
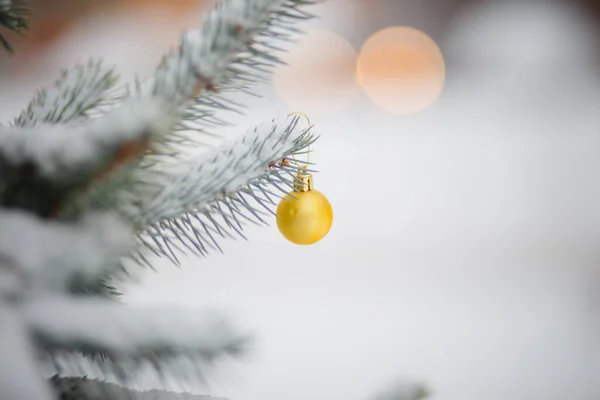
90	389
42	165
224	170
217	193
76	95
41	259
35	260
129	336
204	56
58	256
235	49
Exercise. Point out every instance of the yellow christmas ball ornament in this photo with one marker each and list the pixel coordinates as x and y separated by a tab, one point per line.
304	216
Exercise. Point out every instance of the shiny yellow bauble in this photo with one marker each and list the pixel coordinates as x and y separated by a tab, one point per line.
304	217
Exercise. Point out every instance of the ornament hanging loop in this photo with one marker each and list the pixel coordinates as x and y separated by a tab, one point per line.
303	181
309	126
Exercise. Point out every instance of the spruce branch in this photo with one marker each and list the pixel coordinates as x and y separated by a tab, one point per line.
40	261
235	49
38	257
233	45
62	255
45	164
102	287
222	171
218	193
76	95
14	15
232	50
132	337
82	388
204	57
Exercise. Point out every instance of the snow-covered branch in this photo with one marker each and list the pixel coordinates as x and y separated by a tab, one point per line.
93	325
221	172
228	33
39	260
74	96
57	255
56	151
220	191
89	389
42	165
235	49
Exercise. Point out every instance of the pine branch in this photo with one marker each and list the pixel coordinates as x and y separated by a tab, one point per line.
41	259
77	94
232	46
234	43
130	337
204	57
232	50
235	49
220	191
14	15
42	166
60	256
224	170
249	68
102	287
89	389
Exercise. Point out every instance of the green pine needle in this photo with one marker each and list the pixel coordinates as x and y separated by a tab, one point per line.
15	17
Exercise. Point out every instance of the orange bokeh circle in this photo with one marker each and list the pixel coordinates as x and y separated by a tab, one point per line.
401	70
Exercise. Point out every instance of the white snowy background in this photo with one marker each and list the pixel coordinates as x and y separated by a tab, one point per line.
465	246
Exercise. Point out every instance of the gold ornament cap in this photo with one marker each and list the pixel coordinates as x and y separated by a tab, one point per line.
304	180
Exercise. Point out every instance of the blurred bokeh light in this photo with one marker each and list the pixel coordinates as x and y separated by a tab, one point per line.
319	77
401	69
